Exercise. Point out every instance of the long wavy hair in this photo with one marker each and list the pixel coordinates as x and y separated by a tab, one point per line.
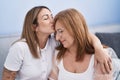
76	25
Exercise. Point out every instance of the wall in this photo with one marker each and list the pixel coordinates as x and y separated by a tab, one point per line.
96	12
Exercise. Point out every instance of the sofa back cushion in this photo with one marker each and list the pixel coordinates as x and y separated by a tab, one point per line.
5	43
110	39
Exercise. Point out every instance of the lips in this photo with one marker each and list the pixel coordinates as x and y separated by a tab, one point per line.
62	41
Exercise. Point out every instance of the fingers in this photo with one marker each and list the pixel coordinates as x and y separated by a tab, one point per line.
106	67
104	61
103	68
95	63
110	63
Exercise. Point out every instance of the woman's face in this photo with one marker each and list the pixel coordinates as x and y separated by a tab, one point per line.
45	22
63	35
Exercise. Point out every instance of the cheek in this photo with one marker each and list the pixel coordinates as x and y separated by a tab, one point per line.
44	24
40	29
71	40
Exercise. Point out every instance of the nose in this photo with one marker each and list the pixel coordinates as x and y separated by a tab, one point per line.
57	36
51	20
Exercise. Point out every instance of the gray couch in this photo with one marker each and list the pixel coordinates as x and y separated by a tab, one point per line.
5	43
110	39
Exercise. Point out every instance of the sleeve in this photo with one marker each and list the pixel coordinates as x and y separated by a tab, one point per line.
14	58
116	69
115	64
112	53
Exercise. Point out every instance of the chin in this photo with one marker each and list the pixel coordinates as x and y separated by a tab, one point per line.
65	46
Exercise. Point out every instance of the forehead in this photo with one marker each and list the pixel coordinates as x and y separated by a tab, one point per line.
59	25
44	11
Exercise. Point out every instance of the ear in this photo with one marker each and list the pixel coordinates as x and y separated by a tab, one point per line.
34	27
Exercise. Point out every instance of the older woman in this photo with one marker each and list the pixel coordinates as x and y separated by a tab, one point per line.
74	58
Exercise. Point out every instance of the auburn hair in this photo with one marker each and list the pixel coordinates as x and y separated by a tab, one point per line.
76	25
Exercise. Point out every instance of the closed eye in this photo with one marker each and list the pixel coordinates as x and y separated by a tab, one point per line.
45	17
58	32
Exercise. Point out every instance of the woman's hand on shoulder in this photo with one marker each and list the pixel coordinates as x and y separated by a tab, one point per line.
102	57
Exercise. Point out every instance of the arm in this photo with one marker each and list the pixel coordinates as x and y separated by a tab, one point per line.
13	62
98	75
101	56
54	72
8	75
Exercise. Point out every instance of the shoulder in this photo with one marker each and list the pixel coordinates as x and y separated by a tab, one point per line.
18	47
115	59
116	64
116	68
111	52
19	44
15	55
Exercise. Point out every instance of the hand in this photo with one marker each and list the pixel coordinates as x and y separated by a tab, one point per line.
102	57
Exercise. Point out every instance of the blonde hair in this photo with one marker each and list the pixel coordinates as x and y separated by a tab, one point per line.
76	25
28	33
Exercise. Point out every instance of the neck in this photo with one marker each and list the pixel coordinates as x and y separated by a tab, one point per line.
72	50
42	40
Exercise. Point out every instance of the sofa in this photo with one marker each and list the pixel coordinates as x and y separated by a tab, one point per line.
5	43
110	39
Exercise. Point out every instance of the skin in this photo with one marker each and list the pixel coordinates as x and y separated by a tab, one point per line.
45	19
8	75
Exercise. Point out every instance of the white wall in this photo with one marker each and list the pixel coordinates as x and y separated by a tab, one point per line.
96	12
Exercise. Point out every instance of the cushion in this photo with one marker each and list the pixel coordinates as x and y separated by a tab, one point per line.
110	39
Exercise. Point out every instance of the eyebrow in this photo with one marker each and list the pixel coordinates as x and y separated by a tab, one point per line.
46	15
